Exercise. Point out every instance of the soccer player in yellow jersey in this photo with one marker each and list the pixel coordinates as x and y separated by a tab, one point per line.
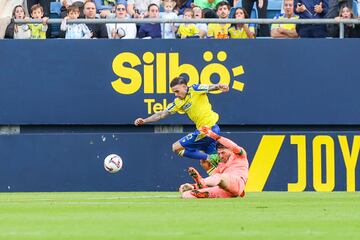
194	102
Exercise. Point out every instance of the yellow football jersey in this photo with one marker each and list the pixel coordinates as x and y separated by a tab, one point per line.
219	31
235	32
196	105
288	26
37	31
189	30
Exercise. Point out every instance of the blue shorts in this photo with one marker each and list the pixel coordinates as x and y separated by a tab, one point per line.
195	140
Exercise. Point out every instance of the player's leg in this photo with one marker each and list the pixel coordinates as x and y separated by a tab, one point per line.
209	147
189	146
233	184
210	192
182	151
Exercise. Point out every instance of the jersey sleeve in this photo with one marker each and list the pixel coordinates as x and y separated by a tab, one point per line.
231	145
172	108
200	88
251	27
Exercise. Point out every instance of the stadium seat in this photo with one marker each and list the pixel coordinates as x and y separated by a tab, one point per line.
55	12
274	8
55	8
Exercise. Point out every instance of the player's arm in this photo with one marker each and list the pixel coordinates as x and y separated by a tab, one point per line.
153	118
230	145
221	87
223	140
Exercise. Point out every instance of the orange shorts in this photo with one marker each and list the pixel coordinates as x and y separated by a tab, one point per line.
234	184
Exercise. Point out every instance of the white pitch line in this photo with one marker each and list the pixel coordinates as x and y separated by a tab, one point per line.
97	198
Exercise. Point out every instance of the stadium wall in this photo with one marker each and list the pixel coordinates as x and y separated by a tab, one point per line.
306	101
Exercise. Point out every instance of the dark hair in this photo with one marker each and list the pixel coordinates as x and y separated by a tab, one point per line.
219	146
209	13
72	8
223	3
243	9
178	81
153	4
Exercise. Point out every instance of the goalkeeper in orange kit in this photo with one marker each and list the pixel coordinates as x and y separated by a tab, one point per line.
227	180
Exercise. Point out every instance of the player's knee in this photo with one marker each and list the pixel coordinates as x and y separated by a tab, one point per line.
178	150
175	148
223	182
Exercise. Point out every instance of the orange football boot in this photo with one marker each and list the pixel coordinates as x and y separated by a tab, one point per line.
197	177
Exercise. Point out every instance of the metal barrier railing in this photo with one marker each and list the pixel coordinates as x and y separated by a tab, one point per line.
340	22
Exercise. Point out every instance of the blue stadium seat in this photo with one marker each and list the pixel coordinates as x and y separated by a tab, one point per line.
274	8
55	8
55	12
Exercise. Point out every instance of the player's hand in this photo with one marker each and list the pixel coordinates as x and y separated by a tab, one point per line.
206	130
139	122
223	87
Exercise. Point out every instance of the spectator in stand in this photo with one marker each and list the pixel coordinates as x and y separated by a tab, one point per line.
106	7
261	6
311	9
151	30
18	31
188	30
38	30
139	8
6	9
181	5
97	30
287	30
121	30
66	3
335	5
242	30
334	11
198	14
169	29
74	30
44	3
207	3
350	30
219	30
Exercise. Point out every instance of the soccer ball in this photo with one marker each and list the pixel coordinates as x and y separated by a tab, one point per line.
113	163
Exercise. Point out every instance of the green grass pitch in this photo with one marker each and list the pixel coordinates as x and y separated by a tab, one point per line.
163	215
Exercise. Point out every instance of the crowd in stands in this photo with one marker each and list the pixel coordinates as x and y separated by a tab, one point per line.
173	9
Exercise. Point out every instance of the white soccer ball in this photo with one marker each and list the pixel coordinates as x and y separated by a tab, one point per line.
113	163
